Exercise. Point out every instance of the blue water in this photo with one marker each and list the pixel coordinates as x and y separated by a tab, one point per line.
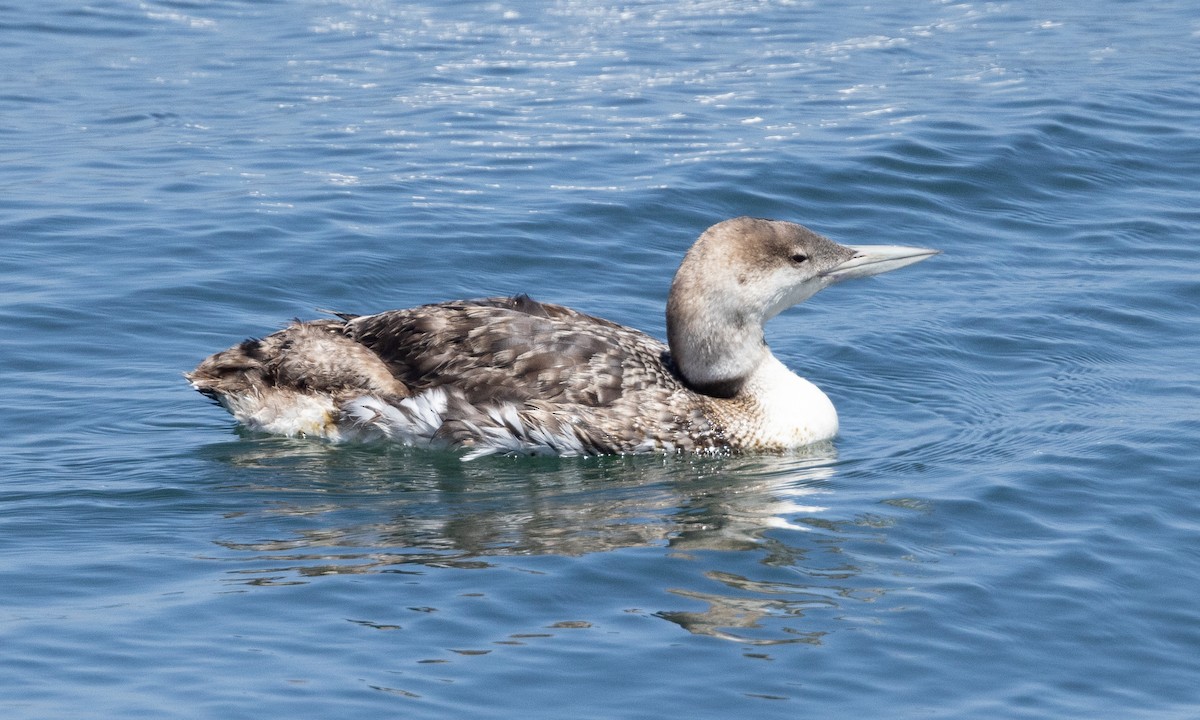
1009	526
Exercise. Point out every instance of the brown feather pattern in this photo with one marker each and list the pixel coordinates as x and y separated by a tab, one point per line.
537	376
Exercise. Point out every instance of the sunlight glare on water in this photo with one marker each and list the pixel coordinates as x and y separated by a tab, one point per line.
1005	528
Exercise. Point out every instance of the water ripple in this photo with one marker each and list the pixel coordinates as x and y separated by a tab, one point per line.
1011	496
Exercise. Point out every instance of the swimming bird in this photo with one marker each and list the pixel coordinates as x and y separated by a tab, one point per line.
513	375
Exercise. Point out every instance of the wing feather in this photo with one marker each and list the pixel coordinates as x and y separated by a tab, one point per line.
516	350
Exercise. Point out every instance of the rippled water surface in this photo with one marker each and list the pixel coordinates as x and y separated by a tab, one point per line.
1007	527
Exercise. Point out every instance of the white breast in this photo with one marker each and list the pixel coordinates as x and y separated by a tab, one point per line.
791	411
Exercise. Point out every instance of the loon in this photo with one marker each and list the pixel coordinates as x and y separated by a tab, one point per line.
511	375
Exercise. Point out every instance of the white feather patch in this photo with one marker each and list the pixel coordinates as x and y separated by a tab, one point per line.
412	421
284	413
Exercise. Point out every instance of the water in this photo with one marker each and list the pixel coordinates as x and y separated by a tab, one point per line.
1007	528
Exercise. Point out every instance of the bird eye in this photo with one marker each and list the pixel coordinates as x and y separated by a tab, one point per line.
799	258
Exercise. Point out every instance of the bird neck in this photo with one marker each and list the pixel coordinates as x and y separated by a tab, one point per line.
715	347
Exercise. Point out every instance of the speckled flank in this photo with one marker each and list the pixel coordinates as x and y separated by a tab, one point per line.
500	374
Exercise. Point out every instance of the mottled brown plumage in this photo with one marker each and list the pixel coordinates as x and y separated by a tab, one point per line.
595	384
588	377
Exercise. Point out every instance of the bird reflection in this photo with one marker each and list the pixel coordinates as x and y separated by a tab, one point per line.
336	510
